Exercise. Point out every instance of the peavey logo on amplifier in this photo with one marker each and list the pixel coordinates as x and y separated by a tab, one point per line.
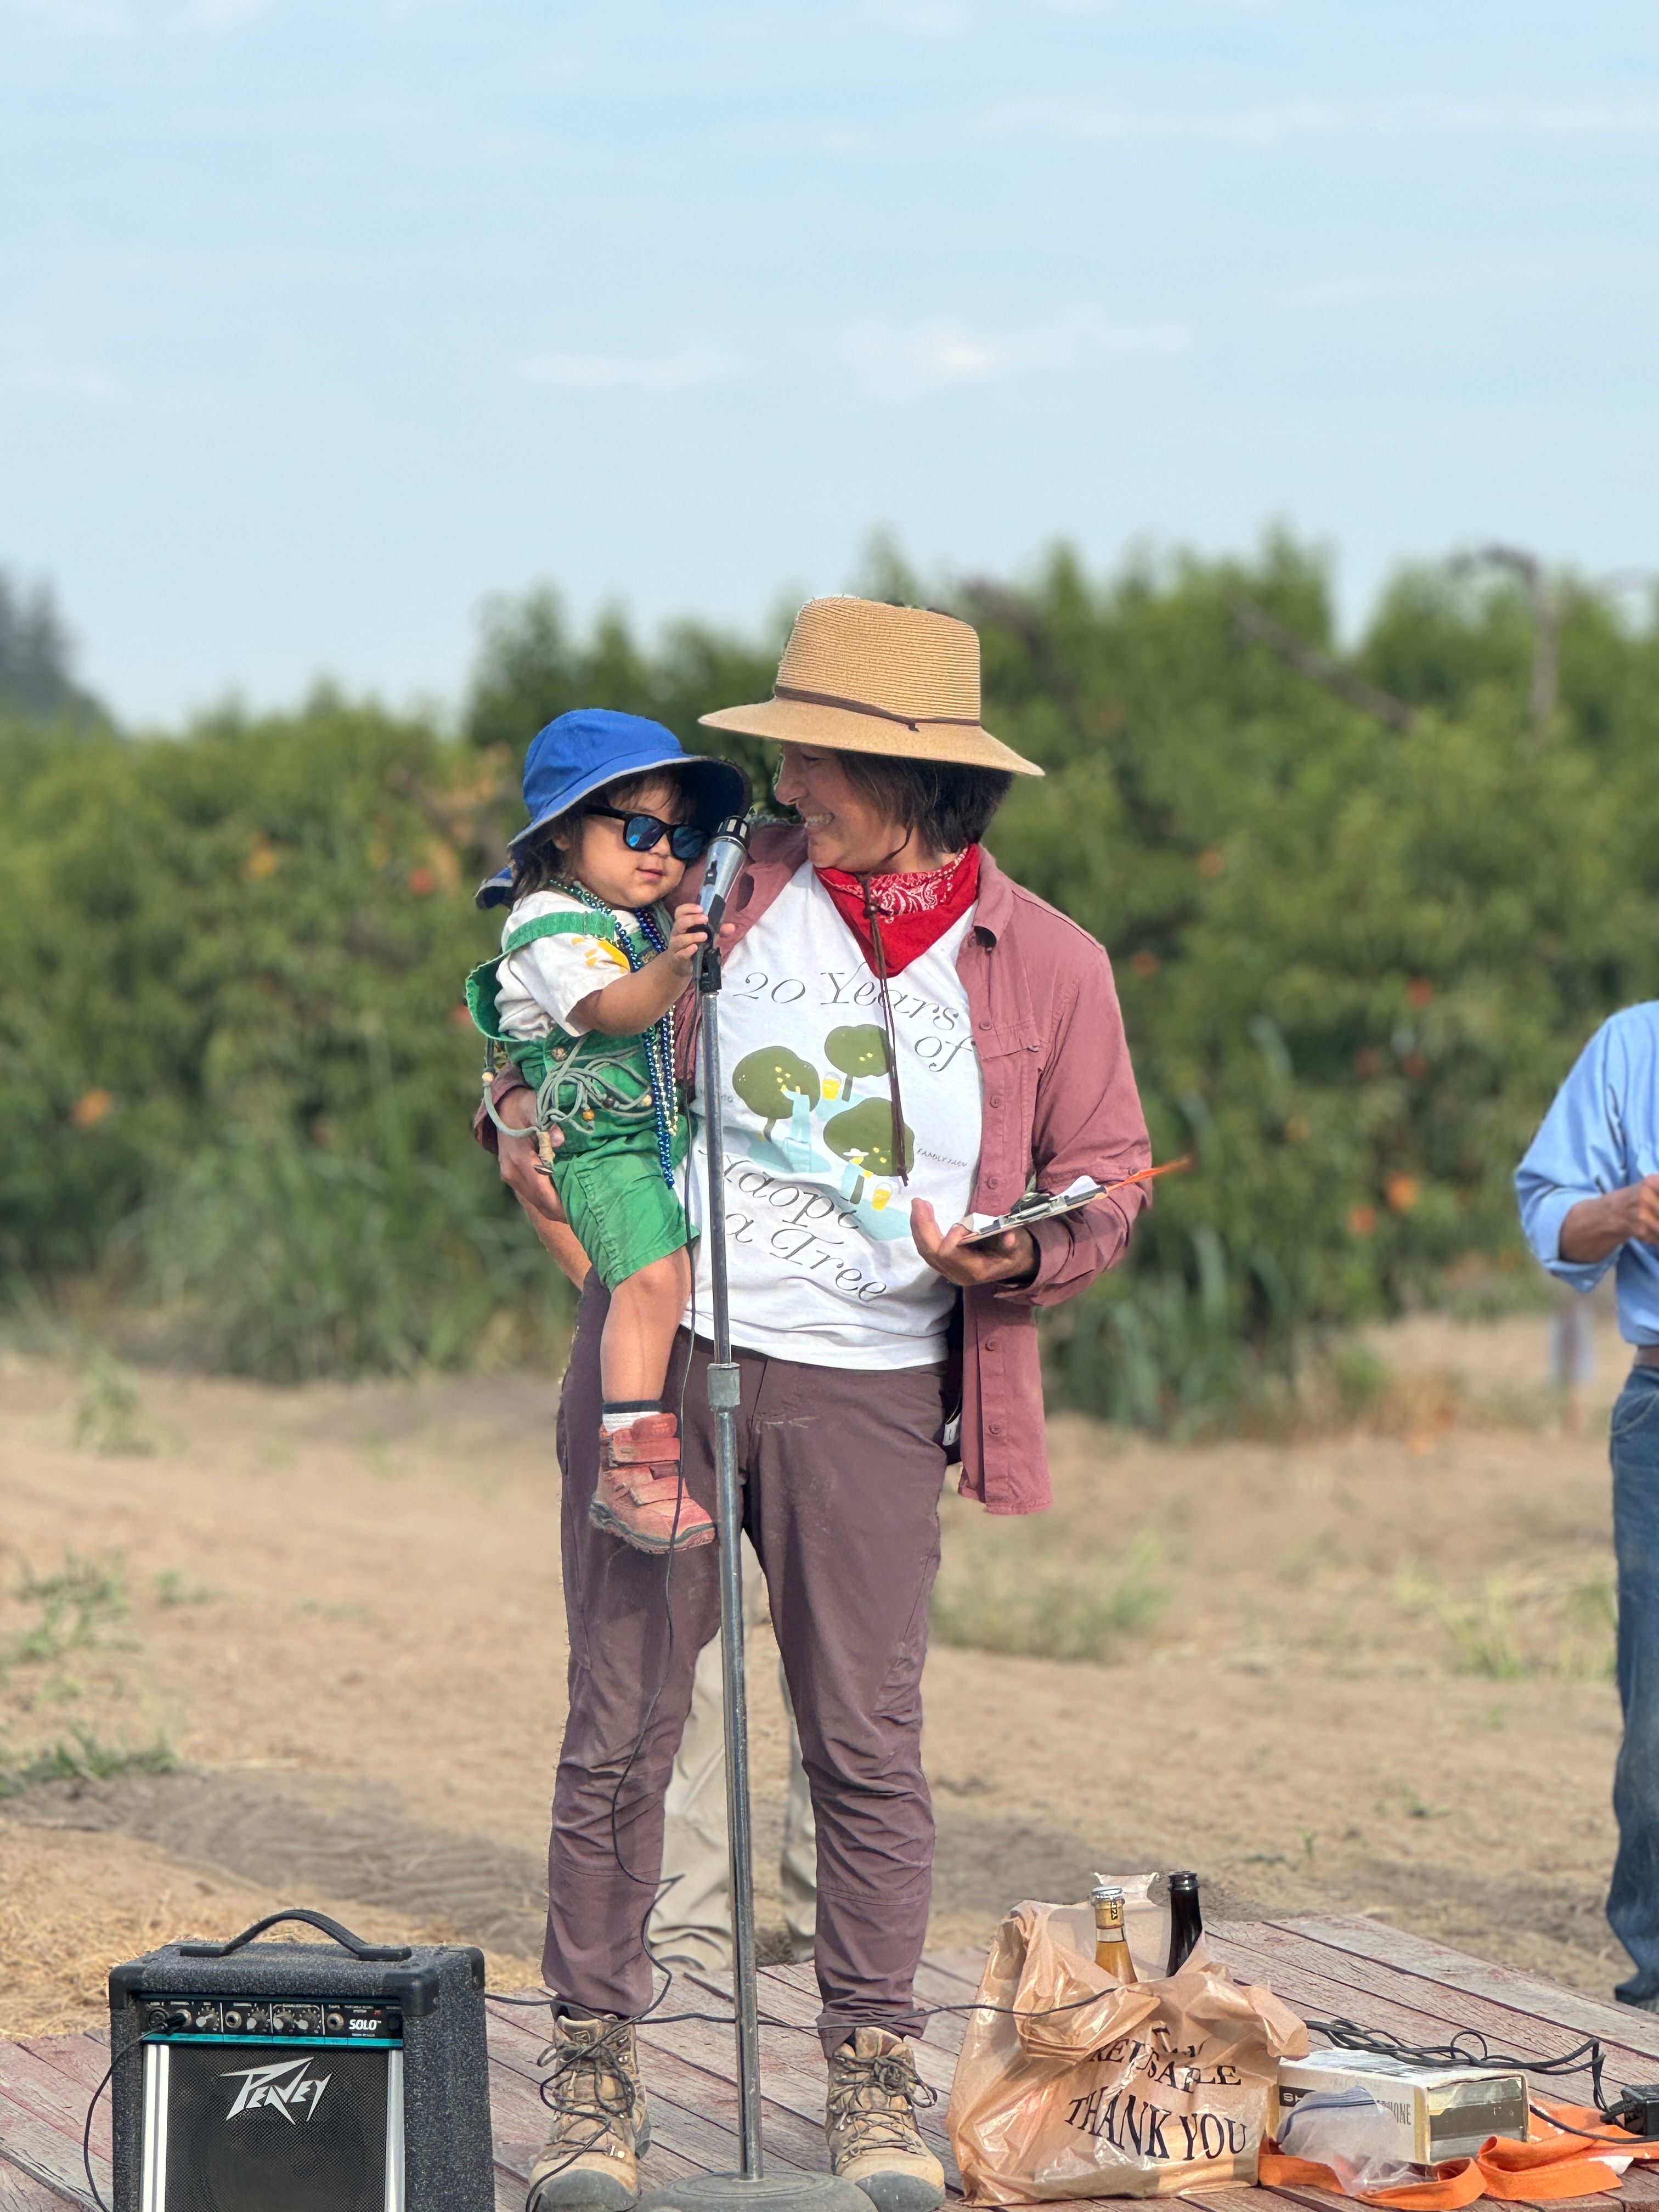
288	2089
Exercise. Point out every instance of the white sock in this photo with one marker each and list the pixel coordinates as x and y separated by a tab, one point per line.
627	1410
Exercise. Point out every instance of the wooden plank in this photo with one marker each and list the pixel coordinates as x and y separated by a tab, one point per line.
23	2193
57	2093
40	2152
1505	2019
1416	2011
967	1966
1419	1955
43	2124
83	2058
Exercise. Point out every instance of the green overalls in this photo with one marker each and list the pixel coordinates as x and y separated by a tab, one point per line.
595	1090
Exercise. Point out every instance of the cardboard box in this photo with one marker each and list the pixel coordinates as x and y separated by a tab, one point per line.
1438	2111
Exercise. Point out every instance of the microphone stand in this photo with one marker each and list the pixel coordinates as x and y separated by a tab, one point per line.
751	2188
725	1396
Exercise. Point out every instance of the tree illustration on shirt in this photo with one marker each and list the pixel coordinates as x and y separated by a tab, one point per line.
864	1136
769	1081
857	1049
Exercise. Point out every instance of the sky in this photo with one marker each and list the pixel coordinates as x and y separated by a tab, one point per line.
321	321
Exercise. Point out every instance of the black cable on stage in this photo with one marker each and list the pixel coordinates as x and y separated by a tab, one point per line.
86	2132
1468	2047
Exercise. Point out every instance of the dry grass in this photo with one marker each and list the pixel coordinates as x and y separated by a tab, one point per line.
66	1918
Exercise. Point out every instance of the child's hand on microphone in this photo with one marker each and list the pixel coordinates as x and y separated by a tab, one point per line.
687	938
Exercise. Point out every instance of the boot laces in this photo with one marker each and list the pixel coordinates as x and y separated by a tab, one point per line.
589	2088
878	2098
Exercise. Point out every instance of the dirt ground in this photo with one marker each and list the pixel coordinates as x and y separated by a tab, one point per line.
1367	1670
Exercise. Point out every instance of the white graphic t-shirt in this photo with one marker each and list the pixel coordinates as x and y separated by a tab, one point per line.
537	985
822	1265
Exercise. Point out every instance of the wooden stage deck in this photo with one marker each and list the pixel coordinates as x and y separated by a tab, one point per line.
1325	1968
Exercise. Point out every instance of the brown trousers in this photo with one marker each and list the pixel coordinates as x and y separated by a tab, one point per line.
842	1474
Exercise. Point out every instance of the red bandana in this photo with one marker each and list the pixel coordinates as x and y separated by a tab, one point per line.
914	910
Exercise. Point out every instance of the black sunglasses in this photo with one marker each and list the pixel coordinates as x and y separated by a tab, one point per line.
643	833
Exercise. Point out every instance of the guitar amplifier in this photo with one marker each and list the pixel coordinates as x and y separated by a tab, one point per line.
300	2078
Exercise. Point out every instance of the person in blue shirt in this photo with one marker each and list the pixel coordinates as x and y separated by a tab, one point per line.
1588	1188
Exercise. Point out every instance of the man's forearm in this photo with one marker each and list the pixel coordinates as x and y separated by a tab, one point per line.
1595	1229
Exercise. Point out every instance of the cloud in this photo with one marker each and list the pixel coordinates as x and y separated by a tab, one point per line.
888	361
31	369
901	363
612	372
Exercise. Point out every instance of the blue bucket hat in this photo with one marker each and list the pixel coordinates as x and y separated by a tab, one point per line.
579	753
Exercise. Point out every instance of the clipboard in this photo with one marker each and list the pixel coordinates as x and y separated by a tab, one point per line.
1048	1206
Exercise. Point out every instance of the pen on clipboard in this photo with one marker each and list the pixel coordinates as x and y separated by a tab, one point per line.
1145	1175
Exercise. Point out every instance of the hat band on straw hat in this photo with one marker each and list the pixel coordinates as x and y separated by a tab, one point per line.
865	706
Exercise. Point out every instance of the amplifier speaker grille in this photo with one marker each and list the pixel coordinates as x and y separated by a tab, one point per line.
236	2127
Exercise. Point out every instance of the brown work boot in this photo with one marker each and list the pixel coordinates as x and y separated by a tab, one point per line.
640	1497
874	2140
599	2124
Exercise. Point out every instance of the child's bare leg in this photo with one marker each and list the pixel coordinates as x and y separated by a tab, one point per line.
639	1331
640	1497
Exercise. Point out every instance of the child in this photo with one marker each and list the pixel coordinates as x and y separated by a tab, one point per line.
581	1000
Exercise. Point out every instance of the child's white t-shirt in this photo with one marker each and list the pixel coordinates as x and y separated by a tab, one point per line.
539	988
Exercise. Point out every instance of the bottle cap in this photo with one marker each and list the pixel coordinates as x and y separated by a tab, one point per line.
1186	1880
1104	1891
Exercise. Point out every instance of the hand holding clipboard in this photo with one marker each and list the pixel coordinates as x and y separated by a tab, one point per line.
1048	1206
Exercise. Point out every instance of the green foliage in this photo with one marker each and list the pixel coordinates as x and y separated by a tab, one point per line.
1016	1604
76	1608
84	1760
1354	961
233	1059
37	675
531	669
107	1409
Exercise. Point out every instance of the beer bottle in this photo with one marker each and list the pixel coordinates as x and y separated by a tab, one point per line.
1111	1950
1186	1921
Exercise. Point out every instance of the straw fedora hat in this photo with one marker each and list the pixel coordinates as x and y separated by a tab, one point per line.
858	675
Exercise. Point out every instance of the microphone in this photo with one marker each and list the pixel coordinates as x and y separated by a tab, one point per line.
728	850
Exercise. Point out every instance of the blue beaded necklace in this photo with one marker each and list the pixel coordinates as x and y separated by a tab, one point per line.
659	1037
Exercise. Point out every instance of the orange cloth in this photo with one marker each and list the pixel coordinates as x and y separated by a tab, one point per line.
1554	2164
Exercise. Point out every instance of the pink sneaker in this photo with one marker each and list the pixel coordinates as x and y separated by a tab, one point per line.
640	1497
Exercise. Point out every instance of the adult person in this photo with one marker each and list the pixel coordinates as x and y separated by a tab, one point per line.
691	1923
1588	1188
910	1035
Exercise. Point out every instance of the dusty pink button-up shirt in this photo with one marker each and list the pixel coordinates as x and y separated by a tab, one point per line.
1060	1101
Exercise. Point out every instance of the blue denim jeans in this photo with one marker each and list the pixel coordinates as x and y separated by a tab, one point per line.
1633	1899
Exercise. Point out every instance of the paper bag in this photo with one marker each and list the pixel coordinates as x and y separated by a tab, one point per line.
1077	2086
